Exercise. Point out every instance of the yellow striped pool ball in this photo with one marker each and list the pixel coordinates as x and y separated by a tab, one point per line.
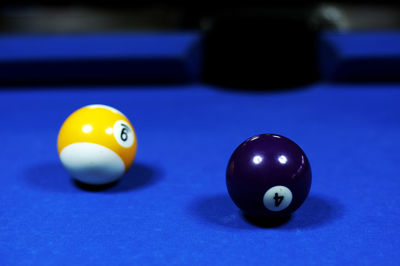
97	144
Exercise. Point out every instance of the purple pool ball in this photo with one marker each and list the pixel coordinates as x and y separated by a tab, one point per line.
268	176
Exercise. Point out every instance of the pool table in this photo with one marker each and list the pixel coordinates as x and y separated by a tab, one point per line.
172	207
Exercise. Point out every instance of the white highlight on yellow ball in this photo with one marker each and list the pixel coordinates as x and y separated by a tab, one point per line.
87	128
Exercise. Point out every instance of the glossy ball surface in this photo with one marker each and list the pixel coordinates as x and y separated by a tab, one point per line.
268	176
97	144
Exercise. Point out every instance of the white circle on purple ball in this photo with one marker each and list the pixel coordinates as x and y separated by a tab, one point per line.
277	198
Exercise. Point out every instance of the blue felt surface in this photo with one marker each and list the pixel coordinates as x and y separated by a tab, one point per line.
168	56
173	208
359	55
